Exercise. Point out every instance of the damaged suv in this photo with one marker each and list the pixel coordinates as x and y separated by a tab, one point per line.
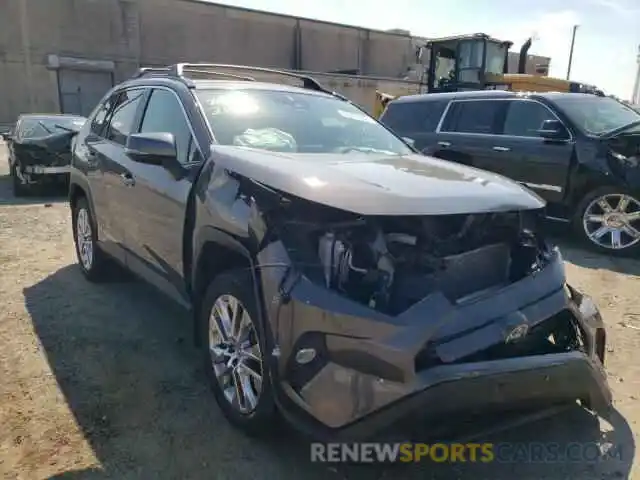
40	149
336	277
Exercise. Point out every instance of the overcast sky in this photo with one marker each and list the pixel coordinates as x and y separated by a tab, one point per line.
606	42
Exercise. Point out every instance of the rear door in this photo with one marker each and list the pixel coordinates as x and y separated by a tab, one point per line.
466	133
104	160
521	154
416	120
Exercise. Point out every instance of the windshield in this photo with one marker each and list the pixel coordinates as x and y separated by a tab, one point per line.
294	122
596	115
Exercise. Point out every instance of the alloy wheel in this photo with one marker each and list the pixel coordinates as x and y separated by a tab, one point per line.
235	353
612	221
84	238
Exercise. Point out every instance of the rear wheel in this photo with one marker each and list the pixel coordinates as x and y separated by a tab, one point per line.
235	353
91	259
608	220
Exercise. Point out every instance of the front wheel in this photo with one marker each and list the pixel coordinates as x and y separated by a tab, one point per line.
608	220
235	353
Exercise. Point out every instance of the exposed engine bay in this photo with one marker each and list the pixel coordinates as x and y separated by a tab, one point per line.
391	263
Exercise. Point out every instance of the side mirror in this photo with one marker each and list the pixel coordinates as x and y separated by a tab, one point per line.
153	148
409	141
553	130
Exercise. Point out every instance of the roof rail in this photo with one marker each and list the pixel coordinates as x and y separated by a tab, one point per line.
171	71
307	82
181	70
150	71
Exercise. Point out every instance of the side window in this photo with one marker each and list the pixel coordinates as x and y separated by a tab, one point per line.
164	113
121	123
477	116
100	119
524	118
414	117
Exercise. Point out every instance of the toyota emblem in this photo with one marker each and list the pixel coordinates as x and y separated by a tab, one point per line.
517	333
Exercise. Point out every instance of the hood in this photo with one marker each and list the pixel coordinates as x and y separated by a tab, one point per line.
372	184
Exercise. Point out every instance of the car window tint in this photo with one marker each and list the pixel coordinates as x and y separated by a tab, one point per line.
478	116
99	120
413	117
524	118
164	114
123	116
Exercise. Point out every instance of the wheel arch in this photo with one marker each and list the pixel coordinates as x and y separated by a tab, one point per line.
216	252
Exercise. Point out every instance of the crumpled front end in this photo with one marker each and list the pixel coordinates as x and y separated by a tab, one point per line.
376	320
47	155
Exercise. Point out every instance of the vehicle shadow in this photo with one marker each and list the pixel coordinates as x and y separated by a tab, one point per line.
597	261
43	194
576	253
123	358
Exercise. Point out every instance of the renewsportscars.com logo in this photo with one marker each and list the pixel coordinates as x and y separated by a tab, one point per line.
401	452
534	452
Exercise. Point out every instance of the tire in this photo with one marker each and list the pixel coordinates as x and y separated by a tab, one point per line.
19	189
94	264
627	243
259	418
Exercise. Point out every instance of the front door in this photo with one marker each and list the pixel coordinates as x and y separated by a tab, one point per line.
521	154
157	200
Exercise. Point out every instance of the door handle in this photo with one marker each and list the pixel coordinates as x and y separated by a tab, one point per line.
501	149
127	179
444	144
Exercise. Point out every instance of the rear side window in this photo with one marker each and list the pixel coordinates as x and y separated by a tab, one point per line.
477	116
98	123
414	117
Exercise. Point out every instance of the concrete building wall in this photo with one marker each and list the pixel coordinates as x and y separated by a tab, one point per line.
115	37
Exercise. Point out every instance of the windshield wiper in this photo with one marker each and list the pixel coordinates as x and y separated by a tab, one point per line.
44	126
365	150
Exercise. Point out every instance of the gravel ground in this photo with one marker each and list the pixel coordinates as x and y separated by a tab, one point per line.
102	381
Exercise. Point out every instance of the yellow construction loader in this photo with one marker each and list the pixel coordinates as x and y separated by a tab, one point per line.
479	62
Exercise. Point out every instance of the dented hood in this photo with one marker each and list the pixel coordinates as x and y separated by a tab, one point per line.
378	184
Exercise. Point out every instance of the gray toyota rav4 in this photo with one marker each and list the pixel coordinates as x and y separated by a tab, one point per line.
337	278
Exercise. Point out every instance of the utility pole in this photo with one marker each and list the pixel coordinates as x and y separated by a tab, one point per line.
573	42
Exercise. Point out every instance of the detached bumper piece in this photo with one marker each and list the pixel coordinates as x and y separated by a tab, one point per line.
534	344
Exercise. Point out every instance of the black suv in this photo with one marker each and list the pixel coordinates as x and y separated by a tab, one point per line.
579	152
335	275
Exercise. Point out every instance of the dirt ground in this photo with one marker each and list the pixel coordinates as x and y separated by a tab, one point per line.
102	381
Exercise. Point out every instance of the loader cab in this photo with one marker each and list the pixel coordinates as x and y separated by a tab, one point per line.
467	62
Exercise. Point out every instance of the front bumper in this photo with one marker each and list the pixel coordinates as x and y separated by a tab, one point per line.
372	371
